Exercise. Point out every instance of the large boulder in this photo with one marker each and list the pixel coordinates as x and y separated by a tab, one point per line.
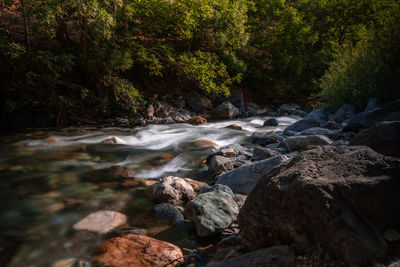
174	190
263	138
137	250
101	222
243	179
276	256
313	119
211	212
197	102
225	111
220	164
298	142
336	199
344	114
384	138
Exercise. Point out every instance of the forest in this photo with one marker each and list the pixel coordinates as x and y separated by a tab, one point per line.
101	57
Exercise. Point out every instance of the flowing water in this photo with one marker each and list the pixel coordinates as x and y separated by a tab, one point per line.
52	178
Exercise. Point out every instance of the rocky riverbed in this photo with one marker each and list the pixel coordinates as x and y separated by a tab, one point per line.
278	188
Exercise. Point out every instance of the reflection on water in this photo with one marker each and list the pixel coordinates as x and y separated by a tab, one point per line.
50	179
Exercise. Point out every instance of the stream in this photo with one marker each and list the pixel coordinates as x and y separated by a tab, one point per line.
52	178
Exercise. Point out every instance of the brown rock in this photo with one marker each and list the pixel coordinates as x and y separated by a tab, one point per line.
197	120
337	199
139	251
204	144
110	141
195	184
52	141
174	190
235	127
130	183
102	222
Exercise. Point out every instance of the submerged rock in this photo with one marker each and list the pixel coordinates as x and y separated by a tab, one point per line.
271	122
138	250
338	199
235	127
101	222
204	144
197	120
174	190
167	210
211	212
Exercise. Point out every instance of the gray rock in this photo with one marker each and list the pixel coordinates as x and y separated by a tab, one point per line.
261	153
384	138
196	102
216	187
251	111
174	190
225	111
271	122
332	125
344	114
276	256
335	135
298	142
263	138
339	199
220	164
313	119
243	179
211	212
287	109
373	104
167	210
236	98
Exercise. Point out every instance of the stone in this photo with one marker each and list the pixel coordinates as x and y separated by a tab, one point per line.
137	250
101	222
167	210
298	142
391	235
174	190
336	199
180	117
197	120
373	104
211	212
235	127
216	187
149	112
196	102
271	122
335	135
71	262
243	179
263	138
225	111
276	256
344	114
287	109
332	125
204	144
220	164
196	185
261	153
236	98
384	138
313	119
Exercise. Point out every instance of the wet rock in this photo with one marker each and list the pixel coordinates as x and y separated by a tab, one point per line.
204	144
335	135
298	142
180	116
344	114
220	164
271	122
384	138
101	222
167	210
391	235
331	125
197	120
52	141
277	256
211	212
313	119
261	153
225	111
197	185
71	262
338	199
216	187
287	109
130	183
174	190
235	127
243	179
263	138
138	250
110	141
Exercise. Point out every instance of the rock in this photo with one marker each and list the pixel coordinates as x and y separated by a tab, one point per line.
235	127
287	109
391	235
384	138
335	135
196	102
204	144
338	199
211	212
277	256
137	250
373	104
243	179
236	98
149	112
220	164
298	142
344	114
251	111
180	117
263	139
167	210
223	253
261	153
331	125
216	187
197	120
130	183
196	185
313	119
225	111
174	190
394	264
271	122
101	222
110	141
71	262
